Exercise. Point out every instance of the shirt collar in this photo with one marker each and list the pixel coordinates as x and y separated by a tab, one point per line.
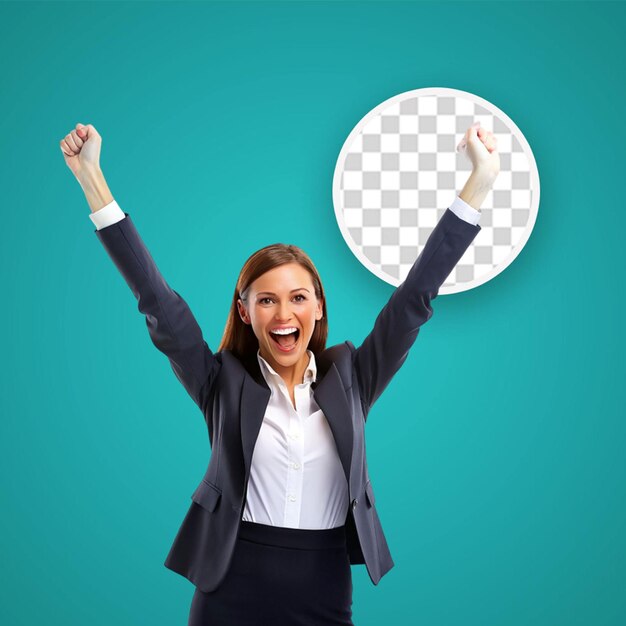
310	374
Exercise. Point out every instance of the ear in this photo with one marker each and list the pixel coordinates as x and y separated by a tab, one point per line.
243	314
319	311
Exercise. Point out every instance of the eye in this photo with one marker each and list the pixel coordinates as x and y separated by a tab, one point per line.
262	300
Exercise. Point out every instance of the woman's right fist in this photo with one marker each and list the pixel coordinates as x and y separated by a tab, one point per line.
81	149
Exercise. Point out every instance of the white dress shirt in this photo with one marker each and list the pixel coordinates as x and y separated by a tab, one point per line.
296	477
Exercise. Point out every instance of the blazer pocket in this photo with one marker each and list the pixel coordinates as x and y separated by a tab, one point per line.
369	493
207	495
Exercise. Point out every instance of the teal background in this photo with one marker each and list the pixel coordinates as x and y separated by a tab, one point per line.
497	452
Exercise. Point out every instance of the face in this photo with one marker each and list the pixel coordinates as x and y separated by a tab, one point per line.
283	296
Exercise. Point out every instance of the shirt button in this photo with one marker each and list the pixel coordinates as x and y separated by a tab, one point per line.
296	465
292	498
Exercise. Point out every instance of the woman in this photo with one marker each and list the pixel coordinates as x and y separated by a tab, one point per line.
286	503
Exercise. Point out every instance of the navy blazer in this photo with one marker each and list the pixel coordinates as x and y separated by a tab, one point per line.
233	397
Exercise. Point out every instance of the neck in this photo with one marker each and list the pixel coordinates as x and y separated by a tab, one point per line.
291	374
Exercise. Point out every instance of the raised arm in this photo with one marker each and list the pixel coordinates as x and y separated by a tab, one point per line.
172	327
386	347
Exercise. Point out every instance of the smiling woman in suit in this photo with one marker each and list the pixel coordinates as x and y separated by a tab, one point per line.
286	504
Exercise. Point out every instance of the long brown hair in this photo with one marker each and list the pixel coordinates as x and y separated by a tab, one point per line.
238	336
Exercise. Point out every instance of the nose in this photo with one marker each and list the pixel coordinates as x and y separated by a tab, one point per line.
284	313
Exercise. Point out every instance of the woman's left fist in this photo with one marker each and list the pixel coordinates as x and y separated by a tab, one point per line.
481	147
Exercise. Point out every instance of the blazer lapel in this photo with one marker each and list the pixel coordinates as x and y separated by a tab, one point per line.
331	398
329	394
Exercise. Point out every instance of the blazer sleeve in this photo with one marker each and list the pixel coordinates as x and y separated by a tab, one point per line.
172	327
386	347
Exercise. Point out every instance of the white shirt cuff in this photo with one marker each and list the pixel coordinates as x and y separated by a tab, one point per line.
107	215
464	211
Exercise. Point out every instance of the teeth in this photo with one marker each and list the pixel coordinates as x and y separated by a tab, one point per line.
283	331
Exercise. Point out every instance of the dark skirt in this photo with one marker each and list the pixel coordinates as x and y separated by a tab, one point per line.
281	577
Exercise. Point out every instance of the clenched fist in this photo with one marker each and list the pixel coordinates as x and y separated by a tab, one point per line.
481	148
81	150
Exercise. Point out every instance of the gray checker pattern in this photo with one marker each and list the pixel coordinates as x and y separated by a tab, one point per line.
399	170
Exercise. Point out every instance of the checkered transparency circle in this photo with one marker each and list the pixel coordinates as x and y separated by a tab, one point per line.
398	171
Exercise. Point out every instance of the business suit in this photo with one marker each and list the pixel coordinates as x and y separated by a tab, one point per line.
233	397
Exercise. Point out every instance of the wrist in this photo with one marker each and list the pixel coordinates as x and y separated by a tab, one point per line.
477	187
485	176
95	187
89	175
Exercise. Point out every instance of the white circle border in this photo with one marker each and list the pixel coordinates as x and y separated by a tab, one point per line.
438	91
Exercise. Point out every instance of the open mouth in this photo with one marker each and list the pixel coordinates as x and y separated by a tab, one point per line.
286	343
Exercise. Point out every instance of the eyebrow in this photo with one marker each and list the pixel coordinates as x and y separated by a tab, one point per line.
273	294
